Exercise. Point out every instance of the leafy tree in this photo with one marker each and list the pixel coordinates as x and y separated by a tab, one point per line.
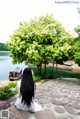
77	43
40	41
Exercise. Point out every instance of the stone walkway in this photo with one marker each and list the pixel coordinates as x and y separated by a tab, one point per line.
60	100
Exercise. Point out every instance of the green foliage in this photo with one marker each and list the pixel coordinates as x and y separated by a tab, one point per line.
6	92
40	77
77	46
40	41
77	43
47	76
3	46
11	85
37	78
77	58
55	73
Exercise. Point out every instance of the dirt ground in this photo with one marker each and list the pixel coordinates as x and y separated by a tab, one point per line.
3	83
74	67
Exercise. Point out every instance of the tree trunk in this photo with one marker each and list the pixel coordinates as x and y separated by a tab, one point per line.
52	67
56	67
39	67
44	69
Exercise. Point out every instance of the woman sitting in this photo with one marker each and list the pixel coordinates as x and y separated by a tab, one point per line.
26	101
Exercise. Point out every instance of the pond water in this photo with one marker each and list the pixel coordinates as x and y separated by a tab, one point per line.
6	66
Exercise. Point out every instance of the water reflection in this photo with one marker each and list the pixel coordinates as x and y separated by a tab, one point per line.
6	66
4	53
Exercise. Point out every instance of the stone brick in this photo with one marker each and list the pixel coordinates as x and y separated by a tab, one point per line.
44	101
12	116
32	117
4	105
49	105
59	109
45	114
58	102
69	109
19	113
76	105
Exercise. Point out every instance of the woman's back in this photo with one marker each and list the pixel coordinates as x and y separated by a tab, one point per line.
26	100
27	87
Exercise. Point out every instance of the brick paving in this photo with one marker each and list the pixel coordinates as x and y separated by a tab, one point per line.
60	99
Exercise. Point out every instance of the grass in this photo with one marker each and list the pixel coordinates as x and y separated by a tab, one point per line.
55	73
8	91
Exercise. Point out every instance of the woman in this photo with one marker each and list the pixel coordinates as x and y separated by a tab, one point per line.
26	101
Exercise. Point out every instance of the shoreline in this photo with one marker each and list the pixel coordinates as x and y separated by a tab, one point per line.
4	51
4	83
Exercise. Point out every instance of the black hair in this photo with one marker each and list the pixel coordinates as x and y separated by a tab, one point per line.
27	87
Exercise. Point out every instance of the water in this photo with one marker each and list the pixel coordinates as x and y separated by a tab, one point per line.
6	66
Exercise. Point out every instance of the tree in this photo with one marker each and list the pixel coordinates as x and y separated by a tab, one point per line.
40	41
77	43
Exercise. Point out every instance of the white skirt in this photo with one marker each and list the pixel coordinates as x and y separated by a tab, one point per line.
34	107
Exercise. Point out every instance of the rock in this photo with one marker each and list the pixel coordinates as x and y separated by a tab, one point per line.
59	109
56	95
49	105
12	116
76	105
69	109
45	114
72	98
44	100
57	102
32	117
19	113
4	105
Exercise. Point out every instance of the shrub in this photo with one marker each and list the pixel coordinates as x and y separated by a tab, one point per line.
37	78
6	92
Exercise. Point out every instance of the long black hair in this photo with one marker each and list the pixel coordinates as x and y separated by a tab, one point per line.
27	87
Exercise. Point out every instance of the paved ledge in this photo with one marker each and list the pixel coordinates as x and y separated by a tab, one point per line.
59	99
